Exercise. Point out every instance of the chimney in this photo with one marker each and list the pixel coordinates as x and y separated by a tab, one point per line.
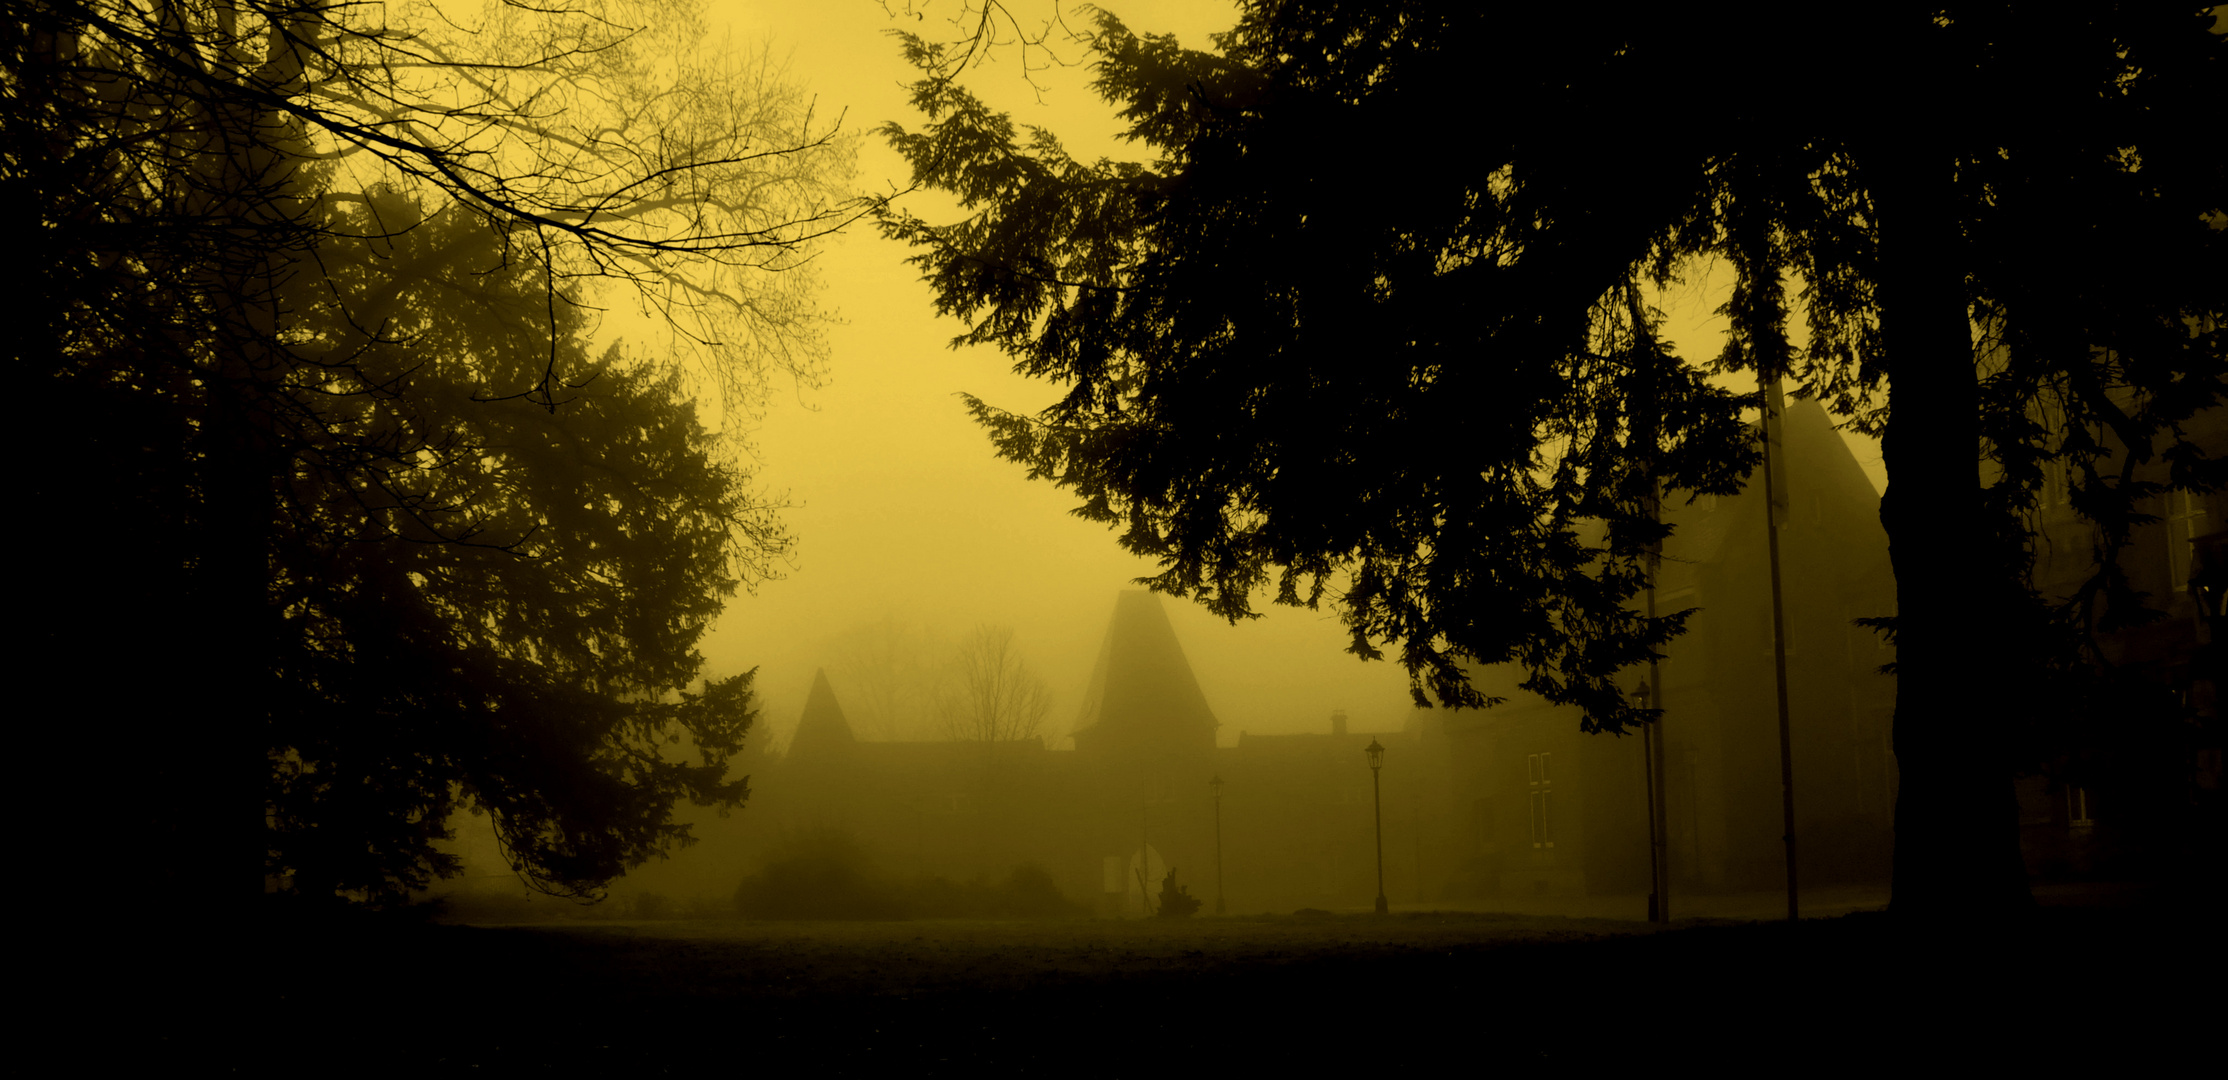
1338	721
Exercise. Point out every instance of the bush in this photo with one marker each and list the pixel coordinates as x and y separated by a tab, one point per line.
823	874
826	874
1029	893
492	906
709	907
1026	893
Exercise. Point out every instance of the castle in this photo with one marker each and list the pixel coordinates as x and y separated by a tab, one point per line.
1478	807
1107	819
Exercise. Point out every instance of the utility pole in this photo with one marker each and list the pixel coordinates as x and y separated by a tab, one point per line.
1775	517
1651	775
1145	858
1651	739
1415	836
1216	784
1645	435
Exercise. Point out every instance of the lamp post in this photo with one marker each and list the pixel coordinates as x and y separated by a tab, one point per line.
1377	801
1656	907
1216	784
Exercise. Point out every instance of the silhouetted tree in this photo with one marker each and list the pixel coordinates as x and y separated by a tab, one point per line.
360	530
486	601
990	695
1369	321
891	673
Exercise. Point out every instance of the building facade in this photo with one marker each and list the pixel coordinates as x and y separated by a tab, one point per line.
1543	810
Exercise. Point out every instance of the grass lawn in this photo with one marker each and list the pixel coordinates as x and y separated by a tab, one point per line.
1415	993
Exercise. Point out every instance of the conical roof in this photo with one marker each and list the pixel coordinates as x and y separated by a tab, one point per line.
822	731
1819	466
1143	696
1820	459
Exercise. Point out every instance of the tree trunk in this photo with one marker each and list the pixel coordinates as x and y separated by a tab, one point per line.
1956	821
243	457
233	752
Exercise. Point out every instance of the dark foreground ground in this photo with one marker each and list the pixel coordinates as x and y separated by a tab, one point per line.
2120	987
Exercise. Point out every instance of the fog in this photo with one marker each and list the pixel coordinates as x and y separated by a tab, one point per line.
903	516
912	538
417	462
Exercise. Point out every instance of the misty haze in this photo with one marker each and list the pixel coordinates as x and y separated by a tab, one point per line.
889	537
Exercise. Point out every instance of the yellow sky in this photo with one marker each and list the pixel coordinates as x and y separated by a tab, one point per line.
901	510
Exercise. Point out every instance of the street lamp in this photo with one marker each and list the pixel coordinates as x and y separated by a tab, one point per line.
1377	801
1216	784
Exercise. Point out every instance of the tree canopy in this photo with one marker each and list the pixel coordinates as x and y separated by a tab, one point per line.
308	323
1367	324
1267	351
493	616
990	696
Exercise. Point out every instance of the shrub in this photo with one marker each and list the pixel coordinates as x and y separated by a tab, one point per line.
826	874
823	874
1026	893
492	906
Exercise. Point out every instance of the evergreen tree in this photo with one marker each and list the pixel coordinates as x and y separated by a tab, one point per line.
1367	324
485	601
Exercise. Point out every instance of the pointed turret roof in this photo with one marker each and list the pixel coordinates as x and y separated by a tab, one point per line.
822	731
1143	695
1819	466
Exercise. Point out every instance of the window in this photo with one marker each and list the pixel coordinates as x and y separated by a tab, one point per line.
2053	493
2077	808
1537	782
2185	521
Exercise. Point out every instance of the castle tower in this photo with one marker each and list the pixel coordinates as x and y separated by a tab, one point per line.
1143	700
823	733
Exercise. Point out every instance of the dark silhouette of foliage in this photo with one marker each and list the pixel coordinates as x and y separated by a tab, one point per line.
820	874
1209	314
304	317
1028	892
1367	323
499	617
826	874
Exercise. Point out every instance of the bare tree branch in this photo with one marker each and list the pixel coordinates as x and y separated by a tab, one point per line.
993	697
